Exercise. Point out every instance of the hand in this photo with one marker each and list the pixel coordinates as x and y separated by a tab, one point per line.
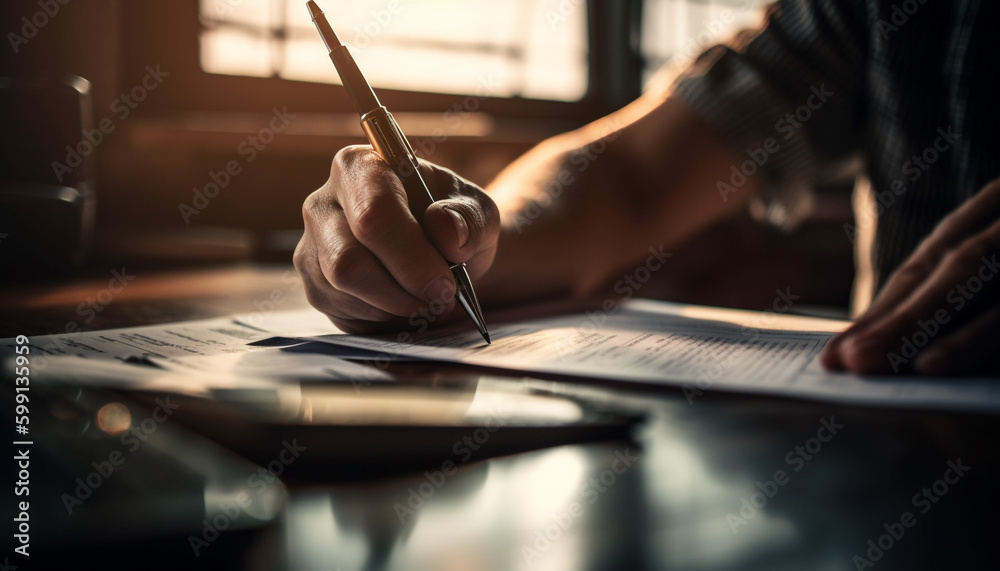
939	313
364	258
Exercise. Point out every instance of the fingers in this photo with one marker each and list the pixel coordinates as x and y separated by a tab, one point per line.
976	214
351	268
464	226
981	211
965	279
366	260
341	307
969	219
970	350
377	211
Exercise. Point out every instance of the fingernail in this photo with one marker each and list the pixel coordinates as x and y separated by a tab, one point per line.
461	227
441	289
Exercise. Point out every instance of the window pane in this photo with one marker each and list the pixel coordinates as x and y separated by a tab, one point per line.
235	52
527	48
257	13
677	31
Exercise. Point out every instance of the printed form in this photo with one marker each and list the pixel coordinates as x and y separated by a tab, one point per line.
695	348
643	341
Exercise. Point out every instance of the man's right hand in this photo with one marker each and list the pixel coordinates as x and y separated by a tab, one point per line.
366	261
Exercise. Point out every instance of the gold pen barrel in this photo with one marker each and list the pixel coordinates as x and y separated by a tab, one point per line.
389	142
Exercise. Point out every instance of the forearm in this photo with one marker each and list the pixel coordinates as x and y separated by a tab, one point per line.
581	206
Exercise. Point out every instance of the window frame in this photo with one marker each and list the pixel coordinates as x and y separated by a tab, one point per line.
166	33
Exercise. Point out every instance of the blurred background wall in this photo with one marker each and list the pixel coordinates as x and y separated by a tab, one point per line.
224	114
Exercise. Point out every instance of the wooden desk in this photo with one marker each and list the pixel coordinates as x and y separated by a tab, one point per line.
676	498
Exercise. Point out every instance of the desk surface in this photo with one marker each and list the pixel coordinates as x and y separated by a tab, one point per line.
725	482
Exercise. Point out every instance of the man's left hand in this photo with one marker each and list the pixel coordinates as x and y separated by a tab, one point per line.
939	313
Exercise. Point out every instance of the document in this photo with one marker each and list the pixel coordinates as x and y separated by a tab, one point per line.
193	357
697	349
233	334
643	341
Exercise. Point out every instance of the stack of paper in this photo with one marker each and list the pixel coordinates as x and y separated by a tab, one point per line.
697	349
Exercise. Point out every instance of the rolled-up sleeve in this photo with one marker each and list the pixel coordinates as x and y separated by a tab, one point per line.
788	96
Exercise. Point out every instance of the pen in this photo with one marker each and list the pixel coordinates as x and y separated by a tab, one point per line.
389	142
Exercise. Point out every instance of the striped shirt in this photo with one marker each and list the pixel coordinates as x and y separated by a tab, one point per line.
909	87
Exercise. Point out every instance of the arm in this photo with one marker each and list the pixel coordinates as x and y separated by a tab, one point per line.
643	177
586	204
366	261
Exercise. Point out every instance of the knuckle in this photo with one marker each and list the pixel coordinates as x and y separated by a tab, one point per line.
491	212
308	206
932	251
347	267
919	267
313	206
316	299
299	259
346	158
480	213
313	297
370	214
304	257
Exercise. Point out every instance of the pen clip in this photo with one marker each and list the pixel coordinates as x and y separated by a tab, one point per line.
388	140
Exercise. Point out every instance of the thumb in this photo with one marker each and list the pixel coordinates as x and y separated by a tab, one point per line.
464	229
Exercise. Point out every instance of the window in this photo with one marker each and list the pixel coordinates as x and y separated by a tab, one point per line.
677	31
535	49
